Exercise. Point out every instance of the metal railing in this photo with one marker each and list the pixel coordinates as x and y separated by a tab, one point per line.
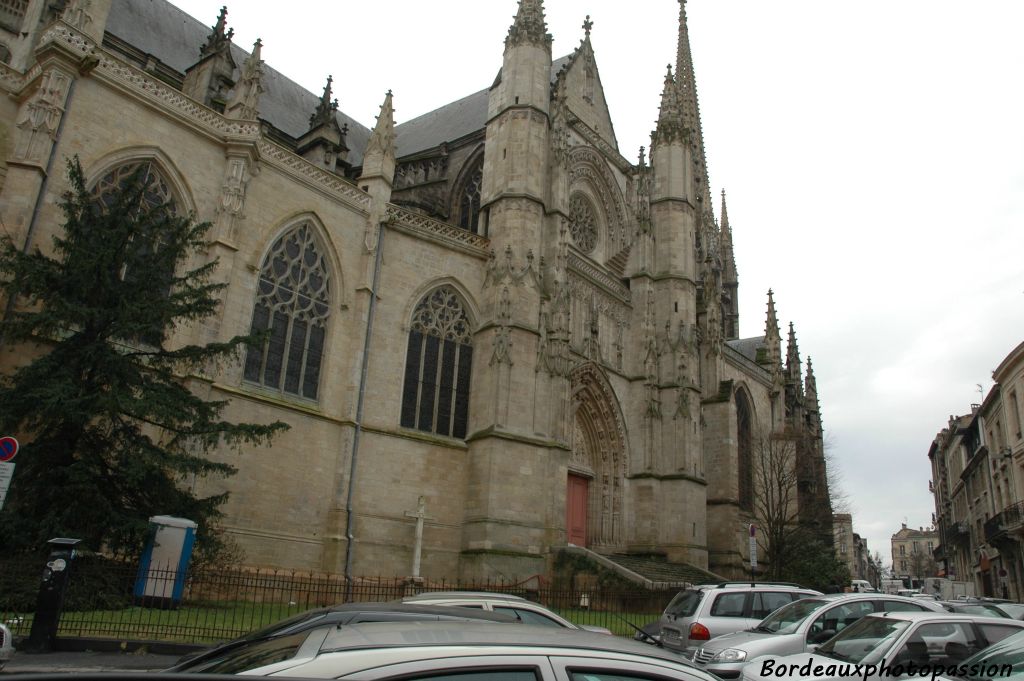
118	601
1010	519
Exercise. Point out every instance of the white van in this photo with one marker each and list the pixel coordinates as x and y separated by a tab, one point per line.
863	586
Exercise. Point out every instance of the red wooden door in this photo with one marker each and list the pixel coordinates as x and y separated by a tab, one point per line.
576	510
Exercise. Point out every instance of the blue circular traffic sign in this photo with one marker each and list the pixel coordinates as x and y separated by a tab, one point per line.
8	448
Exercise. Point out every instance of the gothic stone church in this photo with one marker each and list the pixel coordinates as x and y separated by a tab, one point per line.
551	356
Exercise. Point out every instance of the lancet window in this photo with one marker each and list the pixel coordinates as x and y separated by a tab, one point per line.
469	199
438	363
292	307
744	446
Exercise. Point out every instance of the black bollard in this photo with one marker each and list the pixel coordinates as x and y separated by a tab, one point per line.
50	600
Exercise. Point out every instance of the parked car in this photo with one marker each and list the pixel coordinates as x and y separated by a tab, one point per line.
974	608
798	627
6	645
701	613
334	616
404	650
930	639
1009	651
518	607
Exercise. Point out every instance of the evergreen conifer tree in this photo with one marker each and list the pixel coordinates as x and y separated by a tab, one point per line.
111	432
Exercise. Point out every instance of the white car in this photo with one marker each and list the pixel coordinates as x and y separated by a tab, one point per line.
518	607
456	650
798	628
889	645
6	645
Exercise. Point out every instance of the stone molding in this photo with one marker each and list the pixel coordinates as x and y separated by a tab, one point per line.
442	233
225	130
610	152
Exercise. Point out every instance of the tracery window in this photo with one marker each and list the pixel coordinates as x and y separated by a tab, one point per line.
744	445
469	200
581	223
438	363
292	305
157	194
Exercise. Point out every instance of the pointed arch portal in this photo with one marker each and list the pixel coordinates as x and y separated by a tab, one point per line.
597	464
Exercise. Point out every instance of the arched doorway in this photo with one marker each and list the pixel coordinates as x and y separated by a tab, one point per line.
597	465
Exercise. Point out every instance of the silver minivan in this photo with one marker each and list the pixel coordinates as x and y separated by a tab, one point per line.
798	628
703	612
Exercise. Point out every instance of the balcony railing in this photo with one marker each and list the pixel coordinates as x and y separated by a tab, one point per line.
1010	520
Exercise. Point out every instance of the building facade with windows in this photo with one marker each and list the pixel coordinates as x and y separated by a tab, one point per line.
488	306
977	464
913	557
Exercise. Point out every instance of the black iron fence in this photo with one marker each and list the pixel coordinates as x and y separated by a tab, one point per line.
110	599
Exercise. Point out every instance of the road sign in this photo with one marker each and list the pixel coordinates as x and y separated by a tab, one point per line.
6	473
8	448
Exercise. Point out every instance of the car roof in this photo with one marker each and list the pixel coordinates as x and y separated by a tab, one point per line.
767	586
946	616
437	595
472	634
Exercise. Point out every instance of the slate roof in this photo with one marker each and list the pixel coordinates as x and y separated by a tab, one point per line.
159	28
174	37
747	347
451	121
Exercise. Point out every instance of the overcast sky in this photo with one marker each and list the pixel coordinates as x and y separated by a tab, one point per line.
872	152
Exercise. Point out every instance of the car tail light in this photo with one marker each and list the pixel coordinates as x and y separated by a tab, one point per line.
698	632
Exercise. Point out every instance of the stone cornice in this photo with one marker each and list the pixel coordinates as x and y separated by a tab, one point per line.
157	94
598	142
423	227
601	280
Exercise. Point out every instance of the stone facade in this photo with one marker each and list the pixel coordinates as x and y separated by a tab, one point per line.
503	303
977	464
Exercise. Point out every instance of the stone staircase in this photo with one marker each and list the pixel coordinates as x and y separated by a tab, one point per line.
617	263
649	571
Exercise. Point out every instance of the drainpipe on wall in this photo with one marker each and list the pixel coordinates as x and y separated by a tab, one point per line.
349	536
11	300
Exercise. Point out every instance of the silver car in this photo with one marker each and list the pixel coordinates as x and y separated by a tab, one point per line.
449	650
517	607
885	645
798	628
6	645
701	613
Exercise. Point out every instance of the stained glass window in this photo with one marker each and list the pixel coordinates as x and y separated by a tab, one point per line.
581	224
744	446
292	306
438	363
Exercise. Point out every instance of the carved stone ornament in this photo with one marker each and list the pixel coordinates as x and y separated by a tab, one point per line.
76	14
41	117
581	223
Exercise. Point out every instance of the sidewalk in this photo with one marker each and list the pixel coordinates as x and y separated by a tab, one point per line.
87	661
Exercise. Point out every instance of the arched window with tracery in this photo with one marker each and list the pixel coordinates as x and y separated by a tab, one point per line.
157	196
438	363
292	307
468	198
744	450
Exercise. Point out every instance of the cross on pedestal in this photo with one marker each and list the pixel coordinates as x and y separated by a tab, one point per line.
417	548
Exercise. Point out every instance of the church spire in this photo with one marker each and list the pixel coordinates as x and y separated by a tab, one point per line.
245	99
772	338
382	139
686	83
725	217
529	26
326	108
218	38
669	127
793	358
811	389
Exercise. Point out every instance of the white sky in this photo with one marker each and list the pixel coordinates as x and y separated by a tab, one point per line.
872	151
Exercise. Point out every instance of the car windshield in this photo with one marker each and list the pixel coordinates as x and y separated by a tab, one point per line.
981	609
252	655
786	619
282	626
863	637
989	663
684	604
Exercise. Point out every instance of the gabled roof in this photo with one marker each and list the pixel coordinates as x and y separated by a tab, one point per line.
747	347
451	121
159	28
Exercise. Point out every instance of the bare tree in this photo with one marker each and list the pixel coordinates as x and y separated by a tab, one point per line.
840	499
775	496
